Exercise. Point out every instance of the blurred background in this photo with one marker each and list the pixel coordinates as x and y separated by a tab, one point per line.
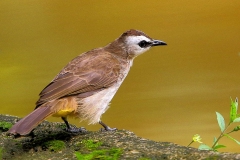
171	93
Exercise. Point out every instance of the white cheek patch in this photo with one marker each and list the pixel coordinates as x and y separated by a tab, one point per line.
133	40
133	47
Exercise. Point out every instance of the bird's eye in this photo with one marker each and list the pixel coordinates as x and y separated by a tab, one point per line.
143	44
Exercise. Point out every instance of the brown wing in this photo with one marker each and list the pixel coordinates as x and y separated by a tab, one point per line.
84	75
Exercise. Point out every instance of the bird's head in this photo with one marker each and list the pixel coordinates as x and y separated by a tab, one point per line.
136	42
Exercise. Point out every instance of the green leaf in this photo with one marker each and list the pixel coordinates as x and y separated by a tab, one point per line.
221	121
236	103
236	128
233	111
218	146
232	138
214	140
204	147
236	119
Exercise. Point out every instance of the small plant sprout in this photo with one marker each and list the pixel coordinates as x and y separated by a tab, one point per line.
196	138
234	117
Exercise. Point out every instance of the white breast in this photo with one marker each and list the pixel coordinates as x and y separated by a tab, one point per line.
94	106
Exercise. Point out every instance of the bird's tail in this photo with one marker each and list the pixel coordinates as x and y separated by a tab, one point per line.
59	108
28	123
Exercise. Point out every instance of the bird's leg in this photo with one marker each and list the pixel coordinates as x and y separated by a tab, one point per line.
73	129
106	128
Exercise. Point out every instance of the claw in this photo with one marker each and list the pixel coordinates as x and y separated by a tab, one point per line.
76	130
106	128
73	129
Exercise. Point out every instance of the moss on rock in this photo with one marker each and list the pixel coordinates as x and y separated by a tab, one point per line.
55	145
51	141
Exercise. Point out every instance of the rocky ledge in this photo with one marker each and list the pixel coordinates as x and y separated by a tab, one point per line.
50	141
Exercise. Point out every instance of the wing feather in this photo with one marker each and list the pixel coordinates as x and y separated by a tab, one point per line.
86	74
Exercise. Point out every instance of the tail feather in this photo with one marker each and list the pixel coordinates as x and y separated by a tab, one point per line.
28	123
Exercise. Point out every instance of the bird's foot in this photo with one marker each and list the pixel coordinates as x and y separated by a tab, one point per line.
73	129
106	128
76	130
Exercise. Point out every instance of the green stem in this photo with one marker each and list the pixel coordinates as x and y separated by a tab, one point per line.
190	144
221	135
230	132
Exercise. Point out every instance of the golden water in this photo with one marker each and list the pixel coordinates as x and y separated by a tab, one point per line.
171	93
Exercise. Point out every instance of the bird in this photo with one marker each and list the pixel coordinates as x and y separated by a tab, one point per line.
86	85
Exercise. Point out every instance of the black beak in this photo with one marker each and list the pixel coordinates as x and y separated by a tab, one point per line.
158	43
